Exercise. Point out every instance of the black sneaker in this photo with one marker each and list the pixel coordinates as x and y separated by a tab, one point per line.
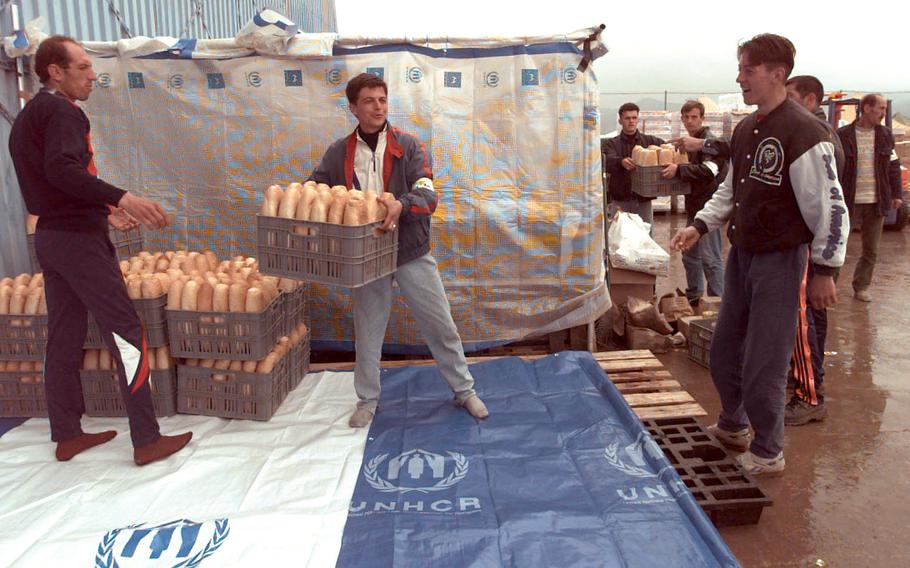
799	412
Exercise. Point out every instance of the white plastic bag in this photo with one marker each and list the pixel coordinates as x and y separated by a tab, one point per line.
268	33
25	41
632	248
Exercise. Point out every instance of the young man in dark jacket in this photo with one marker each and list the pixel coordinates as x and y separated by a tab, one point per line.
872	182
704	174
617	155
808	365
785	208
52	153
377	157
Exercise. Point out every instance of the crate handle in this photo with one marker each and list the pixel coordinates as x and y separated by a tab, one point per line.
305	230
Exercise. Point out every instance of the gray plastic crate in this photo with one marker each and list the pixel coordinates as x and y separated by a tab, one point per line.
647	182
101	393
294	309
154	320
299	362
22	394
23	337
127	243
225	335
326	253
250	396
700	333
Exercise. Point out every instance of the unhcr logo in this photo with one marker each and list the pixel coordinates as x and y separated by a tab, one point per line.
333	76
175	81
254	79
104	80
178	544
630	460
491	79
416	471
569	75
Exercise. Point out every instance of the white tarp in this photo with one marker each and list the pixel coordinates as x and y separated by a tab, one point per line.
243	493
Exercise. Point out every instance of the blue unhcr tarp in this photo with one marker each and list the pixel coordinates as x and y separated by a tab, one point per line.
561	474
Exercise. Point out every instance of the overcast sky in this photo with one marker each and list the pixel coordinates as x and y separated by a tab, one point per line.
658	45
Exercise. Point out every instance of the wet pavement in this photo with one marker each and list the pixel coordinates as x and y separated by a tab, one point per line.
844	499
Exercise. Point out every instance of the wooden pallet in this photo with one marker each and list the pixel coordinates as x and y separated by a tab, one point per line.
648	388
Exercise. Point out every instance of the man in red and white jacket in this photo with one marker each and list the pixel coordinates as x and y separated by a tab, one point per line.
394	164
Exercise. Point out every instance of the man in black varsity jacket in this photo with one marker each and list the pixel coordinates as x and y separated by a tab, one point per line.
786	208
51	147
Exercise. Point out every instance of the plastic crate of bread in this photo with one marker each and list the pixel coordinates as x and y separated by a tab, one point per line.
647	178
323	234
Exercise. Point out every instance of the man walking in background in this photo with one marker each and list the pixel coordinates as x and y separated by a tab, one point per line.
703	261
872	183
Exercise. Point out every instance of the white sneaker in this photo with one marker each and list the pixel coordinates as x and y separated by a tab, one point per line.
476	407
765	467
361	417
735	441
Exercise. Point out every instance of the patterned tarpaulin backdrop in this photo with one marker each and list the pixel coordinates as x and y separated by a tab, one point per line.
512	132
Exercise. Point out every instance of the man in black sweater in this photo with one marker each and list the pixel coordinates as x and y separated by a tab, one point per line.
617	156
786	208
51	148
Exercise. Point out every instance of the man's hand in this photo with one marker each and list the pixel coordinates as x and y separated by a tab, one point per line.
896	203
685	238
669	172
688	143
121	220
144	210
628	164
822	292
390	223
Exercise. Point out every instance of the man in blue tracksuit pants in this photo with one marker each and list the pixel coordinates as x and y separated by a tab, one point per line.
786	208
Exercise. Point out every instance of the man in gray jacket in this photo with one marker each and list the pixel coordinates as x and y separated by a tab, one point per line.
394	164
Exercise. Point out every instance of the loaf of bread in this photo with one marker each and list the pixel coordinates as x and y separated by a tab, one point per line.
272	200
356	213
339	201
289	202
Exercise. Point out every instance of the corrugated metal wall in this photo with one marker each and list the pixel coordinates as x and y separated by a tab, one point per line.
110	20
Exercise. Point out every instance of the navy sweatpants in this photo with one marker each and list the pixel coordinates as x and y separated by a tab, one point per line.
753	341
81	275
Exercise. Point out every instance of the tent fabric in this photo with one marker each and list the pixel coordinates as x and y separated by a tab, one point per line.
511	128
562	473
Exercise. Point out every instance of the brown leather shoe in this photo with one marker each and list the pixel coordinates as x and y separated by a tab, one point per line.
161	448
67	449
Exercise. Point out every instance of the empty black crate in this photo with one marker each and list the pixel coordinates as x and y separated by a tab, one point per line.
700	333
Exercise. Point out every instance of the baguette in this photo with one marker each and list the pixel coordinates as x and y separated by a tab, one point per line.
236	366
255	302
356	211
134	288
32	301
339	201
31	224
190	294
191	362
272	200
105	363
237	297
22	279
151	288
37	281
319	213
286	284
163	358
174	295
90	359
267	364
207	363
221	298
6	294
205	298
165	280
211	259
17	300
307	199
42	303
249	366
289	202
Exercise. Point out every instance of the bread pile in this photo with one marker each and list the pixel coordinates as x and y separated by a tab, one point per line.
662	155
32	371
265	365
23	294
319	202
